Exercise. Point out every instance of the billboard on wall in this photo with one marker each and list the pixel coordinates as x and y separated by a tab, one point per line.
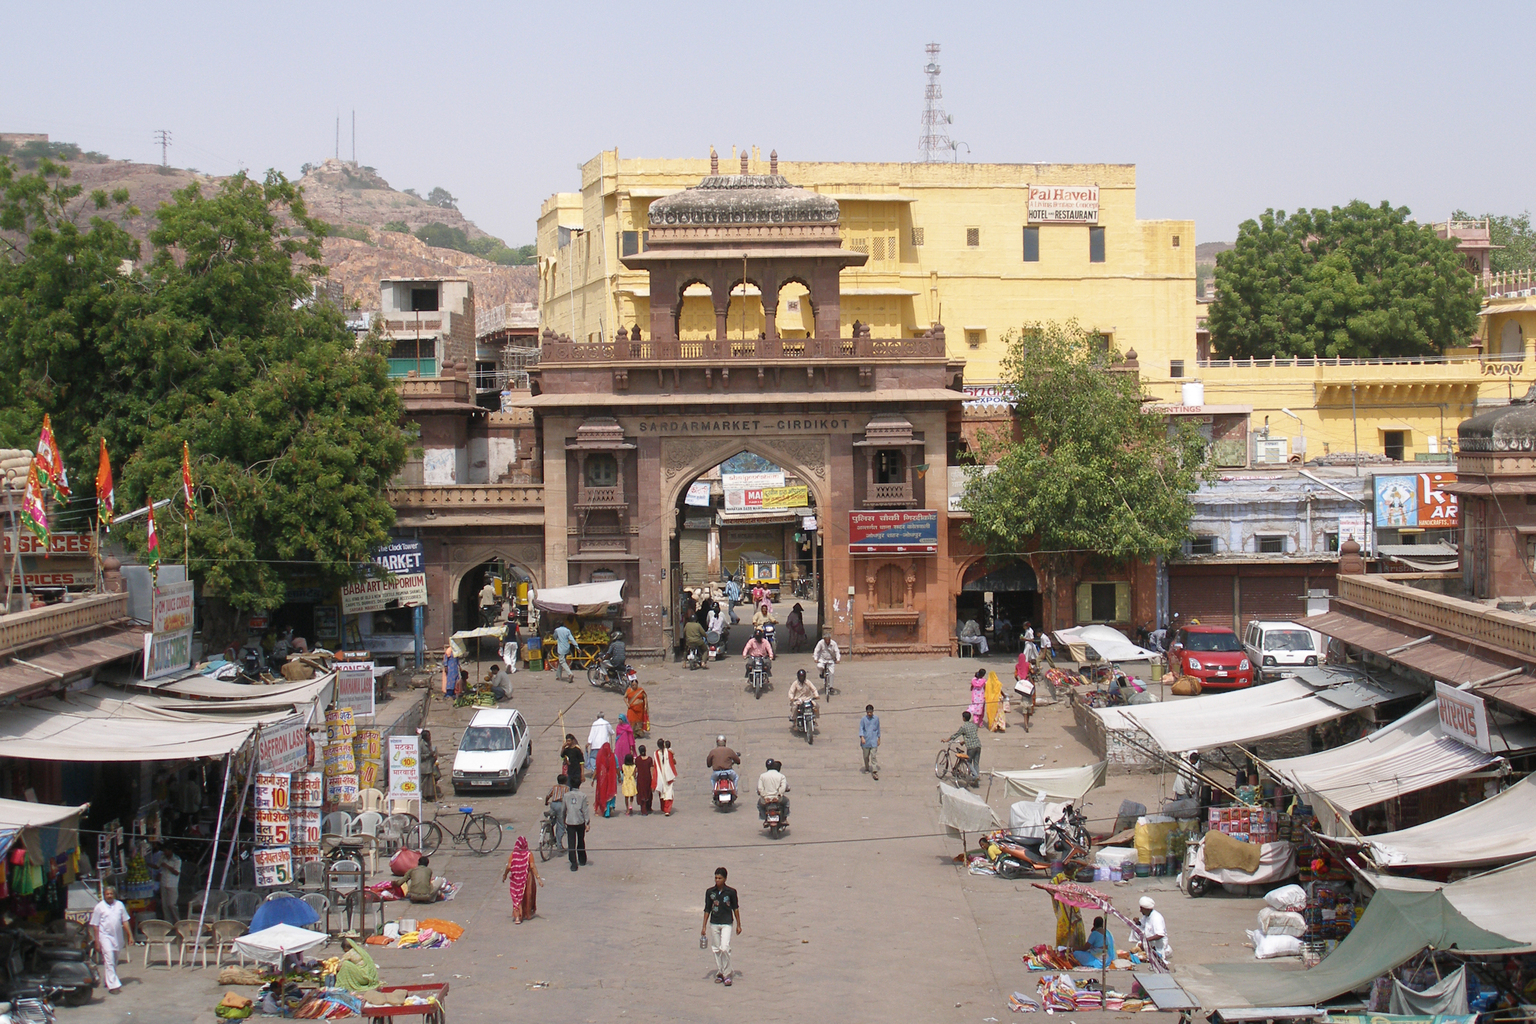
901	531
767	498
406	560
1463	717
1063	204
1416	500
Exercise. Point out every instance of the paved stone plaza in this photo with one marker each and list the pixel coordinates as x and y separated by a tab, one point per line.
857	913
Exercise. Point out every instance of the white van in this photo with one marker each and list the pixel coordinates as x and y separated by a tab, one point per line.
493	752
1275	646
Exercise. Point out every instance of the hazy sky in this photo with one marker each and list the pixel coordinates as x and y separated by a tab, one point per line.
1226	108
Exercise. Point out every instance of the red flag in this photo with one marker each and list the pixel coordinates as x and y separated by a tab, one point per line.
105	496
186	481
51	462
154	540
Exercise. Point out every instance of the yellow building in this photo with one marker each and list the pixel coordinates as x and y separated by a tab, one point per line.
968	245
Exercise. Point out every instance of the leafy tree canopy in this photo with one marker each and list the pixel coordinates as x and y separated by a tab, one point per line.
1086	469
1356	281
494	249
441	197
216	340
1514	241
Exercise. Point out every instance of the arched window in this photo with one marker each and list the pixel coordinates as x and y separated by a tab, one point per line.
890	466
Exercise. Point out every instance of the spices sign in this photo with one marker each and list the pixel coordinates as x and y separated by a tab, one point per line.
1063	204
1463	717
904	531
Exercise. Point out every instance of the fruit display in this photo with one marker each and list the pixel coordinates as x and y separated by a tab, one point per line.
592	635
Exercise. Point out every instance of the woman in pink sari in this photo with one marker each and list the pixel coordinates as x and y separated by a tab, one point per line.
623	739
605	781
523	881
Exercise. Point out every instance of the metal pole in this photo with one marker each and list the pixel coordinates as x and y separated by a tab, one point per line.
1355	422
250	775
213	859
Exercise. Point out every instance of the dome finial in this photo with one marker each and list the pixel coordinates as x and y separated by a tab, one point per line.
714	161
743	161
773	162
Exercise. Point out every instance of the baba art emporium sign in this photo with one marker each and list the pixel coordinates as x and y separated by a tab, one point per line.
405	562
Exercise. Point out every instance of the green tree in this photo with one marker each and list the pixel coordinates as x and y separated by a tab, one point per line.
1355	281
1514	241
397	225
294	426
1085	469
441	197
443	237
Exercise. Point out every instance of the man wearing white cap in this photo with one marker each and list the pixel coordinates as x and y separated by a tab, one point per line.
1154	931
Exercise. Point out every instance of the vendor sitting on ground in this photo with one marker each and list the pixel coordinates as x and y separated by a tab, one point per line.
1101	946
420	886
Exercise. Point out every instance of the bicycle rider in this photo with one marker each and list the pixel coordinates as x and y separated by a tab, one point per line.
967	732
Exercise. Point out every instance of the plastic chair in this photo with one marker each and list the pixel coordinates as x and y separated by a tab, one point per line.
280	894
343	878
192	938
314	874
367	824
158	933
337	823
321	905
215	904
242	907
967	648
370	800
224	935
392	833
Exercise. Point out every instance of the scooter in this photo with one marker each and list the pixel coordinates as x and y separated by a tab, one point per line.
1014	857
723	792
718	641
1066	837
34	971
758	677
695	658
804	719
774	819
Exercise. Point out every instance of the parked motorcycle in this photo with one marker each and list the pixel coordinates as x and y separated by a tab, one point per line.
774	820
1013	856
35	971
1066	836
723	791
757	676
601	674
804	718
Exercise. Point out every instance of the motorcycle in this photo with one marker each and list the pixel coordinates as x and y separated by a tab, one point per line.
774	820
723	791
769	634
718	640
43	973
1066	836
601	675
758	677
1013	856
695	658
804	719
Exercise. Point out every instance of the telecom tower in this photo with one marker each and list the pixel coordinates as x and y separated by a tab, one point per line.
934	142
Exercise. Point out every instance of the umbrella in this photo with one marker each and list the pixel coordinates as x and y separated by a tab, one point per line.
284	910
271	944
1075	894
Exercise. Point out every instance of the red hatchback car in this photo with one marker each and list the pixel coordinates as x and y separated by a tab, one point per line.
1212	654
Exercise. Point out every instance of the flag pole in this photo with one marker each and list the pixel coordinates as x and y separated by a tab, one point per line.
10	509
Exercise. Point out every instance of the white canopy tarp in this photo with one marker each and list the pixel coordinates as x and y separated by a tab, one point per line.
1054	783
30	732
26	814
1238	717
580	599
459	639
270	944
1412	753
1501	828
1490	900
1027	818
962	811
212	693
105	702
1109	643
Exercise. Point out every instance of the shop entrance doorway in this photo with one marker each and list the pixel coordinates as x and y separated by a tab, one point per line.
1003	597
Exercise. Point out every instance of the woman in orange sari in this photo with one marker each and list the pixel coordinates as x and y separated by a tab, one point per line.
639	713
605	780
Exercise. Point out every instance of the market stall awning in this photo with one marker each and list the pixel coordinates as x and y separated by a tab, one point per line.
17	815
1502	828
1411	754
202	693
104	702
1052	783
963	811
1483	899
67	663
460	640
580	599
43	735
1306	699
1106	641
1443	658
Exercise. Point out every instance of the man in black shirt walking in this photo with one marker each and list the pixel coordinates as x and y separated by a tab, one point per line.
721	907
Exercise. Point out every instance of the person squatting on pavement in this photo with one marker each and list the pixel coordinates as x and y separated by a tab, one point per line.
869	741
722	905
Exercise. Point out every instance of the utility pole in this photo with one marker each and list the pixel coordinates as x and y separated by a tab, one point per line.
163	137
935	137
354	138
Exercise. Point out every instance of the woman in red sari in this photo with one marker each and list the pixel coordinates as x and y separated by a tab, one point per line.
605	780
645	778
523	881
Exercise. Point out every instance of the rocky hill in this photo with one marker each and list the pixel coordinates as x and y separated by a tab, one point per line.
358	203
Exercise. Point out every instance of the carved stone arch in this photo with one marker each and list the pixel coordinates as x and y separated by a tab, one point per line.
683	459
466	560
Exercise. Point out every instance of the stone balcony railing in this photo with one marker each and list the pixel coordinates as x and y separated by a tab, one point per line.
753	351
891	494
40	625
468	497
439	389
599	497
1390	595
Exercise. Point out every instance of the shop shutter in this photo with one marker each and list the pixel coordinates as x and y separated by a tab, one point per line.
1271	597
1207	598
693	551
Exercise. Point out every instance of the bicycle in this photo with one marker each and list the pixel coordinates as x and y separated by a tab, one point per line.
827	689
480	832
549	841
954	763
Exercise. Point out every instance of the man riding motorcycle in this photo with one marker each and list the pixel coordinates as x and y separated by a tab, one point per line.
722	761
772	785
803	689
758	647
615	654
694	641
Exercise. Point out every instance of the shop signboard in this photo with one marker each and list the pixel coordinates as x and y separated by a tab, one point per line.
274	866
767	498
45	580
1063	204
284	747
404	562
341	789
339	760
327	622
354	687
172	608
405	767
272	791
306	832
340	724
78	544
1358	526
1463	717
272	828
167	653
308	789
1416	500
698	494
900	531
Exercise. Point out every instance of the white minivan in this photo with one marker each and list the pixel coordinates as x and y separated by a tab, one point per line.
493	752
1275	646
